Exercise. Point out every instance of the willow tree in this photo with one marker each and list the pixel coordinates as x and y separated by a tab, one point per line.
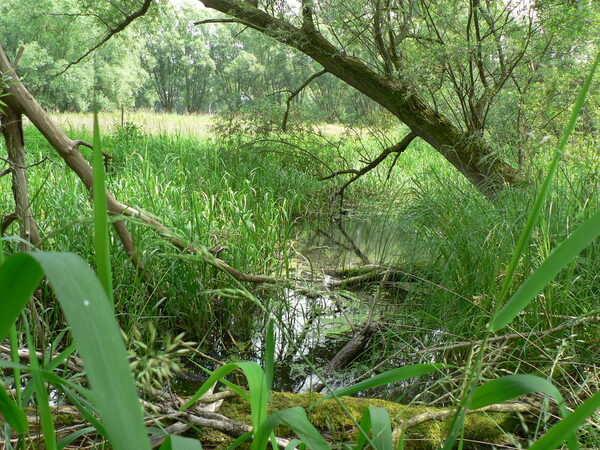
437	66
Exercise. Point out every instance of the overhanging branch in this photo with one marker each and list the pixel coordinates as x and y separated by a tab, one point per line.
288	102
112	31
398	148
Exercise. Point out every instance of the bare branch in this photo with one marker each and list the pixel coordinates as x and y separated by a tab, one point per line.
295	93
398	148
112	31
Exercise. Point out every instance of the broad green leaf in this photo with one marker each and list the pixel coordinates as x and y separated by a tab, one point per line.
256	383
100	345
376	421
294	418
12	413
98	340
512	386
560	257
390	376
174	442
19	276
556	435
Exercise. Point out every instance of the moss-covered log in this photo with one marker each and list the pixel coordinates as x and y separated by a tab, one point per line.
482	429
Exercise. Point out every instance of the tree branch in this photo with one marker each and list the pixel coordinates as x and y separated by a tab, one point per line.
112	31
207	21
295	93
398	148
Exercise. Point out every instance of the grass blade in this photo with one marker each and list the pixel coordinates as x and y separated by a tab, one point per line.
69	438
19	276
567	426
12	413
41	395
294	418
560	257
269	357
256	383
511	386
99	342
376	420
174	442
390	376
100	215
543	193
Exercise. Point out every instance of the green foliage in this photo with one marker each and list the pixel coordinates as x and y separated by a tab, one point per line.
389	376
95	330
101	216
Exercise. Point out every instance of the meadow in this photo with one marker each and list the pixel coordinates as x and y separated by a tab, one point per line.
257	200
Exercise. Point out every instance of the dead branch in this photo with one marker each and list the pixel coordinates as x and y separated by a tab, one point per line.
293	95
350	351
7	220
107	156
445	414
398	148
112	31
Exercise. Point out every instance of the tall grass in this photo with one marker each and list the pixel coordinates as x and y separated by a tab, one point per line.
222	194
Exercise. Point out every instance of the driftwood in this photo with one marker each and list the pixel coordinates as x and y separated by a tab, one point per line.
349	352
22	102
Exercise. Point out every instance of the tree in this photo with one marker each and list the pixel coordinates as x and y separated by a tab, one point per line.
436	66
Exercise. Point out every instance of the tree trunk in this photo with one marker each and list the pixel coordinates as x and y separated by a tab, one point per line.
12	129
471	155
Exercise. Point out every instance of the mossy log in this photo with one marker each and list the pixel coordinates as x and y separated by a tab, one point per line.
482	429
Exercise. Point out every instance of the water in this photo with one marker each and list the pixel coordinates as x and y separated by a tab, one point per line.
318	316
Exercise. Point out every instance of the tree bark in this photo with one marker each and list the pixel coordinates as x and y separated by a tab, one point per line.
12	129
470	154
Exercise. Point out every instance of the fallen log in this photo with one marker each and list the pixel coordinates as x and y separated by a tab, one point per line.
355	346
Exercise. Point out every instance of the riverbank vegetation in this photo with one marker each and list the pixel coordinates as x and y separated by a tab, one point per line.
305	241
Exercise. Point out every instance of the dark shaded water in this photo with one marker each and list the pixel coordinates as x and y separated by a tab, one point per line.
318	318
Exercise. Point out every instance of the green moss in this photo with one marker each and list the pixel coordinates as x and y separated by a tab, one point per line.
329	417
